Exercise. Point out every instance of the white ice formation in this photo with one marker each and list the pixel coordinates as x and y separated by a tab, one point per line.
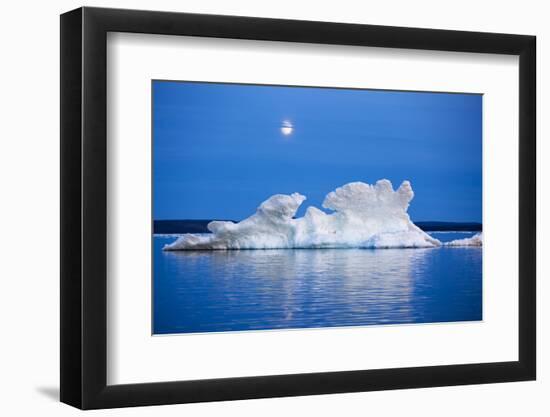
364	216
475	240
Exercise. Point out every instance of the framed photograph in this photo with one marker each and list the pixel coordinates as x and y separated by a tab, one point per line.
258	208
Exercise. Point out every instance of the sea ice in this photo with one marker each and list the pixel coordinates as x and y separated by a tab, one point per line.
475	240
363	216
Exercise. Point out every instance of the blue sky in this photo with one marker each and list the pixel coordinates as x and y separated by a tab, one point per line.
218	149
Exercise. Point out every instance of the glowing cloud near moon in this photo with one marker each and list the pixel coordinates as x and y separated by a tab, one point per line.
287	128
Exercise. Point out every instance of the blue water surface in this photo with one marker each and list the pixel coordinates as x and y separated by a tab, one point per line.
219	291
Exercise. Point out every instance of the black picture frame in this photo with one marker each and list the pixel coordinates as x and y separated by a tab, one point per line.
84	207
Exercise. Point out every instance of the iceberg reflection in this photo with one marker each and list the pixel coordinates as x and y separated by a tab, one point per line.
201	291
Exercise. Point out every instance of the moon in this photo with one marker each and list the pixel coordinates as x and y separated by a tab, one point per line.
287	128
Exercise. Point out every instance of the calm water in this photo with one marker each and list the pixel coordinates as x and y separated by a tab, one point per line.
281	289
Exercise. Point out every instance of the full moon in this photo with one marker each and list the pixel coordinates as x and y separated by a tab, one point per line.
287	128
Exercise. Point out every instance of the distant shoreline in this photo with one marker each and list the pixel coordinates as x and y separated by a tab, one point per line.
200	226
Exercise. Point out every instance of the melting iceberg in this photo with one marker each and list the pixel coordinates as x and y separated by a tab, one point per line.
475	240
363	216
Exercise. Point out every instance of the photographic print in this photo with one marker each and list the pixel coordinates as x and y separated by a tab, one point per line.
296	207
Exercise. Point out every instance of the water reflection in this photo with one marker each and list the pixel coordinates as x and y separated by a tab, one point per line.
273	289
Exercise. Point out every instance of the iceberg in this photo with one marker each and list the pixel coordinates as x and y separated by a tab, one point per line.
361	216
475	240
